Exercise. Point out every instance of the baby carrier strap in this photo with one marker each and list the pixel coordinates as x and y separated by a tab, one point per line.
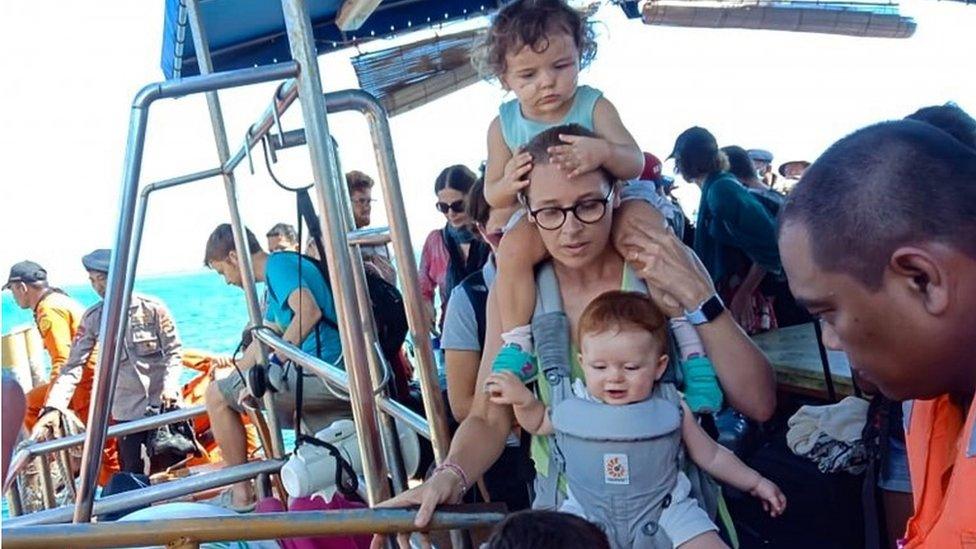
550	330
643	420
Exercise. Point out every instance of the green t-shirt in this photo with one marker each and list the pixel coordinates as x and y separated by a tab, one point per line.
539	449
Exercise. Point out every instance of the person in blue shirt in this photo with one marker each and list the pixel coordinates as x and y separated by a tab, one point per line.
299	305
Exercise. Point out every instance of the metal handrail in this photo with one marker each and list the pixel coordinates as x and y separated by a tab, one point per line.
152	494
369	237
36	449
191	531
332	374
118	430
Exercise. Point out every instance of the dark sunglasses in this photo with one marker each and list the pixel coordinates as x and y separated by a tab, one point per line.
457	206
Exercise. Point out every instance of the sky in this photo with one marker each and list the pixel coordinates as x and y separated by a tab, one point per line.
70	71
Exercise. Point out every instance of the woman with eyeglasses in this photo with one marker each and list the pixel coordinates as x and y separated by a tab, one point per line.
452	252
574	218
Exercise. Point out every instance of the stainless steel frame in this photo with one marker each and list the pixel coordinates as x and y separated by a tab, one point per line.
328	185
364	371
121	272
202	48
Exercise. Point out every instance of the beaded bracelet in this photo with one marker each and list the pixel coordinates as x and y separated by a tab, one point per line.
458	472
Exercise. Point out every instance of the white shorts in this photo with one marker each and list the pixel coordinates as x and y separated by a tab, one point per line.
682	521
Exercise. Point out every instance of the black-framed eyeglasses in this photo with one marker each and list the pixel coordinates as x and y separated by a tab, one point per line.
586	211
457	206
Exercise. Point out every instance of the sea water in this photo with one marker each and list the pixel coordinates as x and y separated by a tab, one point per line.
209	314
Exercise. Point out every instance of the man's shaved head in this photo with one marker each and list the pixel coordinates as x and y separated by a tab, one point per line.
882	187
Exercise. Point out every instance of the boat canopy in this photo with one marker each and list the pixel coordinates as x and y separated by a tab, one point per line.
248	33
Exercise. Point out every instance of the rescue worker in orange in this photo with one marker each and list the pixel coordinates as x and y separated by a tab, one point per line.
58	318
878	240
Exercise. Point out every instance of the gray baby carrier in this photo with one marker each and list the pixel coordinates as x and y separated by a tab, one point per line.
621	463
642	440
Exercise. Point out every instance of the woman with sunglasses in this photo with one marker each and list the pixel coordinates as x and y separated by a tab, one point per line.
451	253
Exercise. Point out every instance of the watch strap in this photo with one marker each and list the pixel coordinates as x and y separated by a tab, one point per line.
706	312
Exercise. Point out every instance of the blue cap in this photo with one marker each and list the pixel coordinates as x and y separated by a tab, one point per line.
761	155
97	260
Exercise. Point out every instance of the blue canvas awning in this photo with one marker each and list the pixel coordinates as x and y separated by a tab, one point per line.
245	33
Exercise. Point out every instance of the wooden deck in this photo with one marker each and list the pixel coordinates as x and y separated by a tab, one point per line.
795	356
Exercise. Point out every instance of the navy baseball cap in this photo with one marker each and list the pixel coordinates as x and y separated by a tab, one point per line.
762	155
25	271
97	260
694	140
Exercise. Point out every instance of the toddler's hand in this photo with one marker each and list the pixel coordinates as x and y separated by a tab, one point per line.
580	154
517	167
507	388
773	500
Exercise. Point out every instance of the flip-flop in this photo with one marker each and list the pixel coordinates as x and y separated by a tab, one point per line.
226	500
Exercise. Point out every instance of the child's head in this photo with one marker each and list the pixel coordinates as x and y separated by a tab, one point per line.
622	346
544	530
536	44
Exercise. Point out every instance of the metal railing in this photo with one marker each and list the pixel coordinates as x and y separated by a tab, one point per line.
190	532
153	494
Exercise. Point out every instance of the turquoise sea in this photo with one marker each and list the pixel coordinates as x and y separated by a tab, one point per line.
209	314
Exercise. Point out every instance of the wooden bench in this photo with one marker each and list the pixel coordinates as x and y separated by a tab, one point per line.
795	355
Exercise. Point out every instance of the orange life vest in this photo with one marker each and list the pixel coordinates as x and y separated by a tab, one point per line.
942	462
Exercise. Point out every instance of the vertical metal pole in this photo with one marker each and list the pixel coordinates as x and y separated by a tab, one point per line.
327	185
388	428
396	213
202	47
47	485
113	318
14	502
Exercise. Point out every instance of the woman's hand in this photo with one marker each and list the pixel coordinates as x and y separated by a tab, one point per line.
444	487
668	266
507	388
580	154
513	181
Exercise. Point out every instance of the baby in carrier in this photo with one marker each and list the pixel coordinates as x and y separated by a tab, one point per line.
619	435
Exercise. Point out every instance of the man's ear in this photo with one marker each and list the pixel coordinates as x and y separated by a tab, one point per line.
232	257
924	273
662	366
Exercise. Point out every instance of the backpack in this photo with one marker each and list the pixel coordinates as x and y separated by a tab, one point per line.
386	302
477	291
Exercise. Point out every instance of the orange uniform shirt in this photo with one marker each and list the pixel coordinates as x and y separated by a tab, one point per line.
941	441
58	317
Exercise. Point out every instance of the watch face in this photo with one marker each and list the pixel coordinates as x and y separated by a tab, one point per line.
712	308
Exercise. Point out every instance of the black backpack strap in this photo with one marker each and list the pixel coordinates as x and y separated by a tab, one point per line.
477	291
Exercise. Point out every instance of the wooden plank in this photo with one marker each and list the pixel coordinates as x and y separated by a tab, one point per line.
795	356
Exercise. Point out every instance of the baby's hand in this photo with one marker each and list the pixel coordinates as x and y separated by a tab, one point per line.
773	500
507	388
517	167
580	154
